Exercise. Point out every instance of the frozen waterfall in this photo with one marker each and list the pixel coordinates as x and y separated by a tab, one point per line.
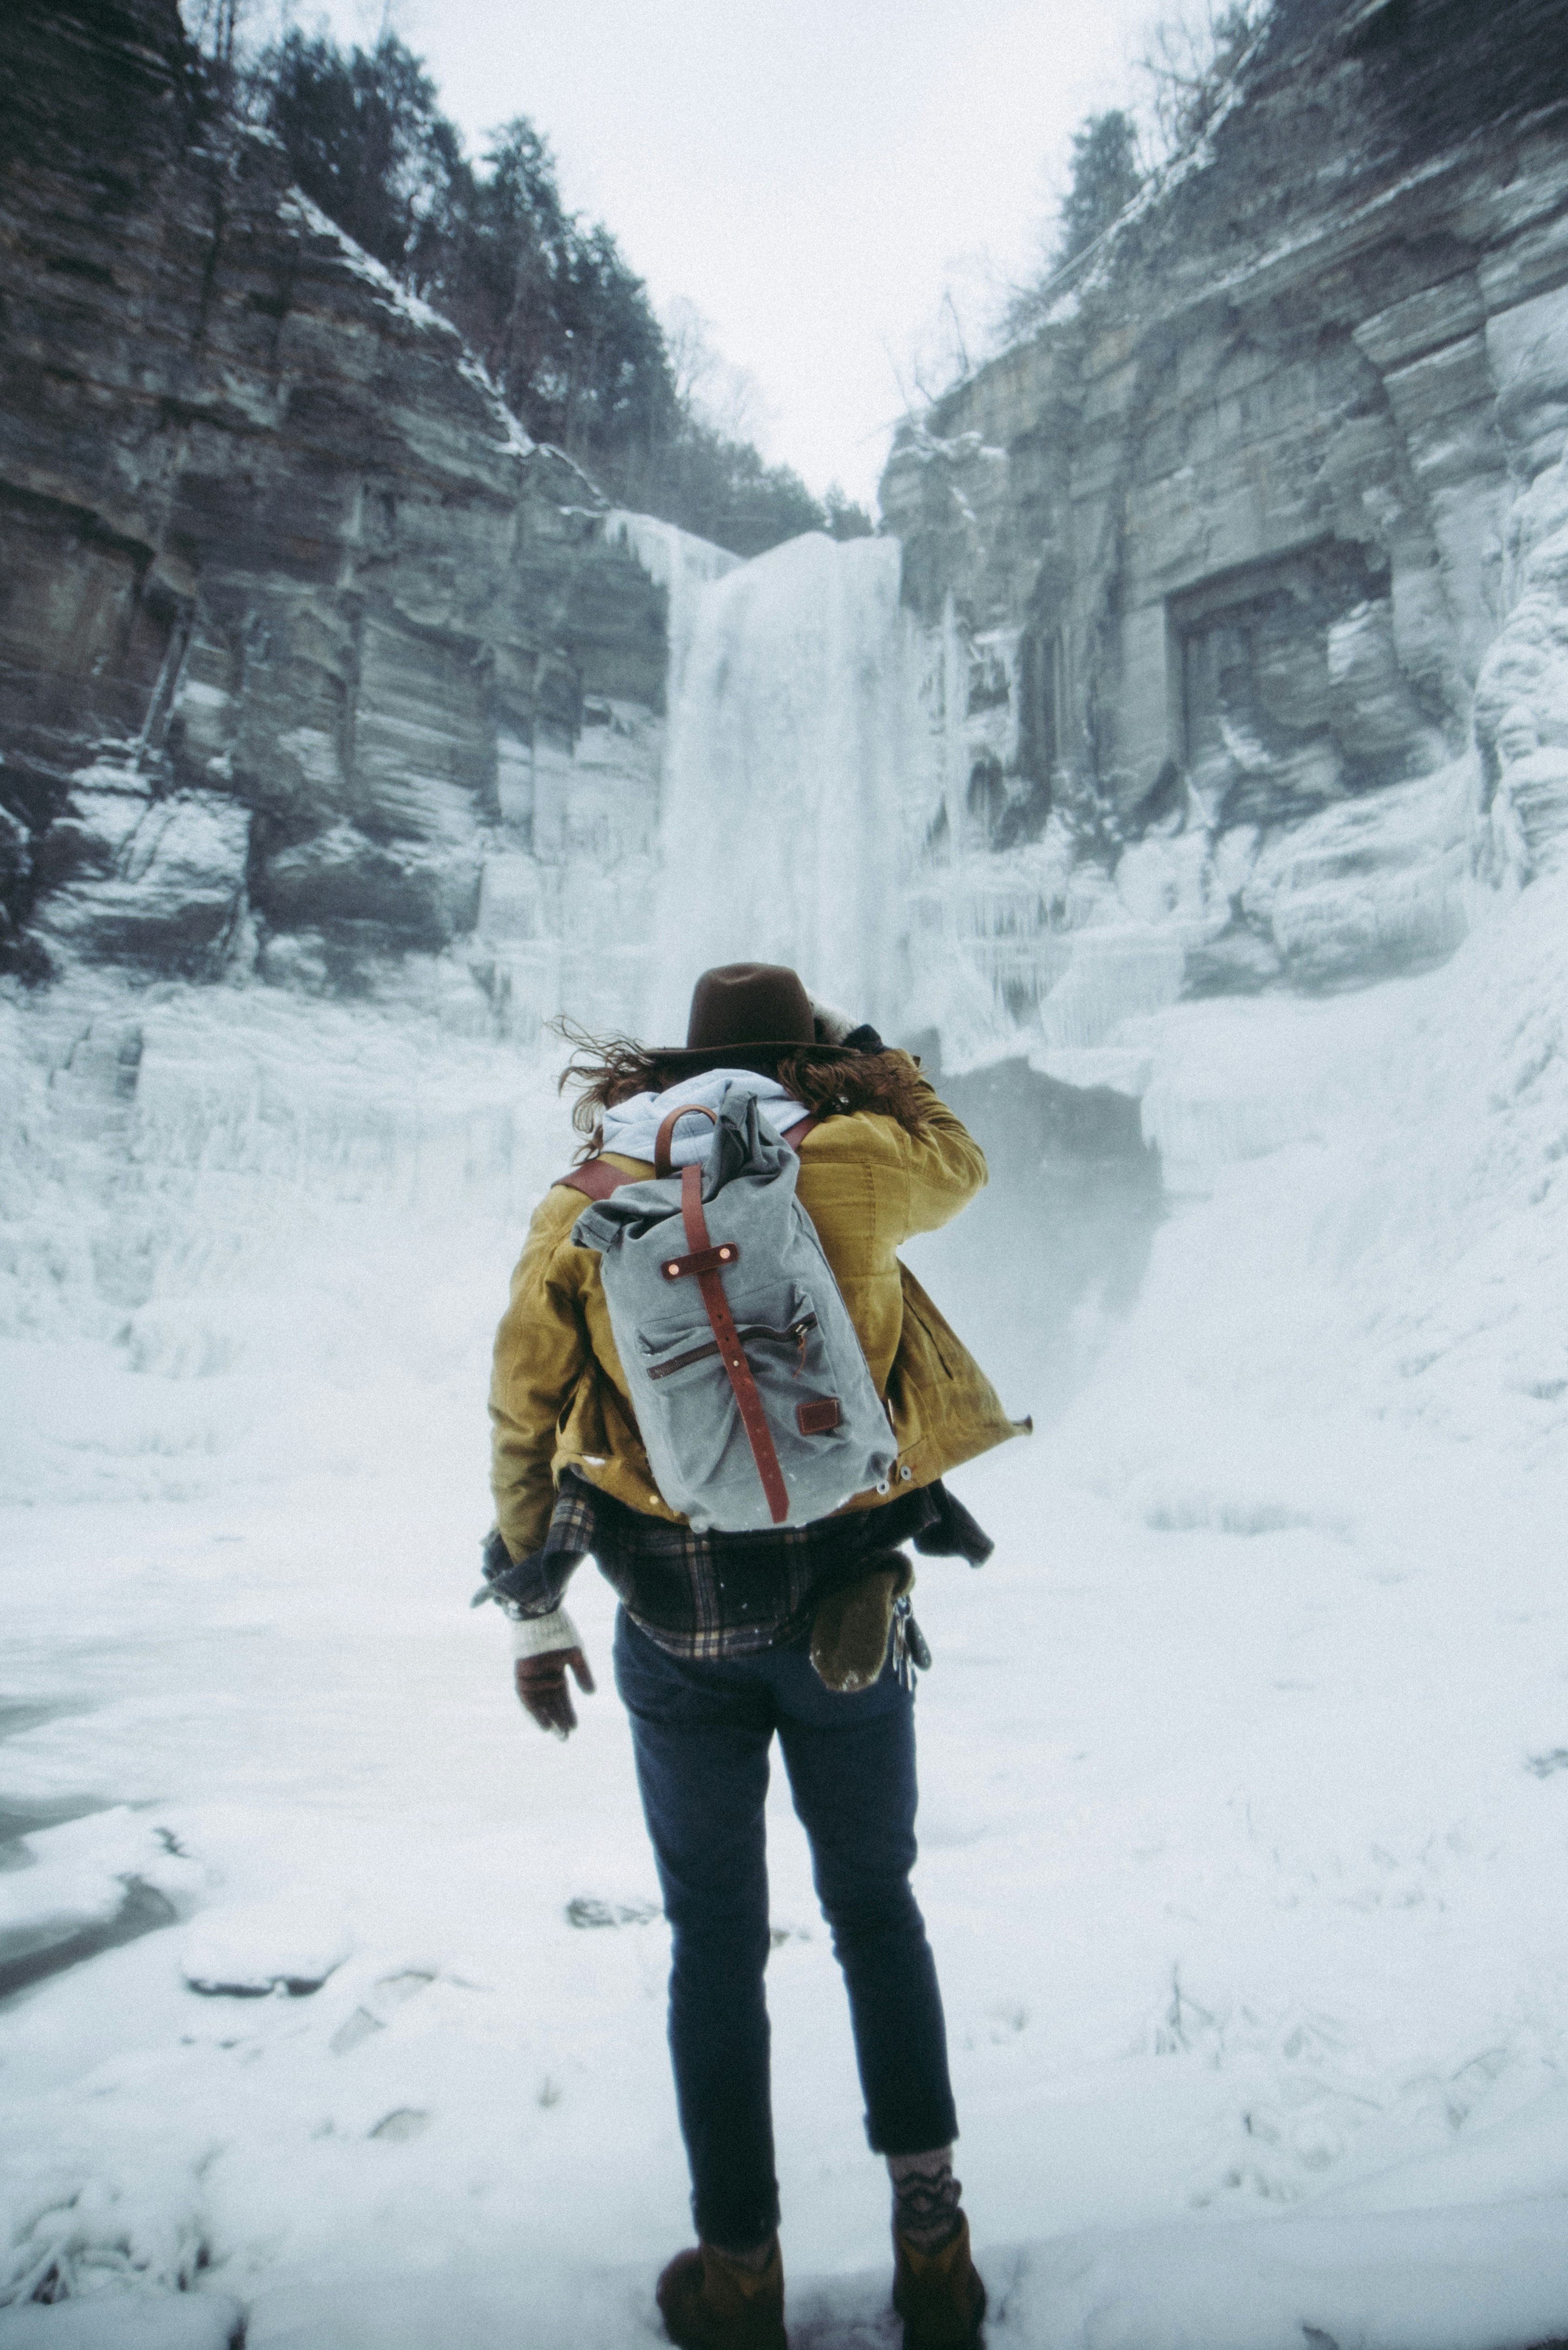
784	825
852	790
817	810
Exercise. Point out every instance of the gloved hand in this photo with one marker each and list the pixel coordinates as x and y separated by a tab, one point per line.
541	1689
832	1026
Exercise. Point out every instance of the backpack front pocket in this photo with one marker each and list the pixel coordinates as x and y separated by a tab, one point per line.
795	1334
693	1419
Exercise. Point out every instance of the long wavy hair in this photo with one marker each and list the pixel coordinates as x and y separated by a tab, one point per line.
605	1070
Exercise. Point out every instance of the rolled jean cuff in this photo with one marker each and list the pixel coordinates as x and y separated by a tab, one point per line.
732	2231
937	2126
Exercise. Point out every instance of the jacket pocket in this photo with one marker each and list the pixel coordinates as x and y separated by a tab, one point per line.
932	1344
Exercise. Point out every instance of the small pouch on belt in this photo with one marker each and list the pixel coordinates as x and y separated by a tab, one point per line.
850	1631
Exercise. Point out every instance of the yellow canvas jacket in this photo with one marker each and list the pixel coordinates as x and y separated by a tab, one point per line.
558	1395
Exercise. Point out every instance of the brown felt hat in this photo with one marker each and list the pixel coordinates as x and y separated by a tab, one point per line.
749	1004
749	1014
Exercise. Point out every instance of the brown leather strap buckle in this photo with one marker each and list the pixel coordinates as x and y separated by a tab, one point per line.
710	1260
661	1160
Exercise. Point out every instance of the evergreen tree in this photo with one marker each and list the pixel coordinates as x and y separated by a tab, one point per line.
1105	179
549	303
725	490
1105	176
508	257
367	142
1187	70
845	519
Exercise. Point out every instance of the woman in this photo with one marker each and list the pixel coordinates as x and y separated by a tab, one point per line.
723	1639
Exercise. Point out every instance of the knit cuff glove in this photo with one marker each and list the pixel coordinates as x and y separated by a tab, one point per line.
536	1636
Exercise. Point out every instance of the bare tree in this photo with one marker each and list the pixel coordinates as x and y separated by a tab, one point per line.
727	399
215	26
1186	66
693	361
936	354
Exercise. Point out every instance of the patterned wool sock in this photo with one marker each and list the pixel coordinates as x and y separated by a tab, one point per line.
925	2197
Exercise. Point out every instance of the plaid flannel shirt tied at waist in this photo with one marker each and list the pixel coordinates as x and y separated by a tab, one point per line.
705	1596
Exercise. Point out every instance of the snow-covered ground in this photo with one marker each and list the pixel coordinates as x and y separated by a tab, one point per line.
1245	1761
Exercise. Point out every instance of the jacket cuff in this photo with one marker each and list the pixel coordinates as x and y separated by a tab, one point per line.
536	1636
519	1587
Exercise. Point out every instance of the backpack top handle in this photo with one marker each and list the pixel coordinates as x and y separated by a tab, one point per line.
662	1163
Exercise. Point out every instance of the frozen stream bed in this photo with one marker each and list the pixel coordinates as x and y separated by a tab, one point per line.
1245	1761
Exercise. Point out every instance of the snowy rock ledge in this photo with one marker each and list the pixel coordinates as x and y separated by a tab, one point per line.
111	1871
1446	2280
290	1944
125	2322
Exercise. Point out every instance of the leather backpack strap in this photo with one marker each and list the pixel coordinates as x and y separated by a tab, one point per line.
704	1262
797	1134
595	1179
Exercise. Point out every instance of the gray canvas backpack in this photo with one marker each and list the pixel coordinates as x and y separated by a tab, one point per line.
752	1391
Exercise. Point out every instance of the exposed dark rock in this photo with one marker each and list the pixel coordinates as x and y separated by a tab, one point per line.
585	1910
141	878
1276	500
26	1961
288	602
340	876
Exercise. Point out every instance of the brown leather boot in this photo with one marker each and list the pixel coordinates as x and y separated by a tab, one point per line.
938	2295
709	2302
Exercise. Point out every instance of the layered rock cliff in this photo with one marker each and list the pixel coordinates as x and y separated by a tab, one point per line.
306	652
1235	597
1242	586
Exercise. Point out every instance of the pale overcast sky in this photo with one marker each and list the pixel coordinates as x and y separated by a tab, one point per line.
812	175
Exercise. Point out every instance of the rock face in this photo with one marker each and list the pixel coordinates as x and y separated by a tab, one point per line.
1232	647
305	650
1242	584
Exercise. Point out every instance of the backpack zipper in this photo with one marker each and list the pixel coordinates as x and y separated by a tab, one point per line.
799	1331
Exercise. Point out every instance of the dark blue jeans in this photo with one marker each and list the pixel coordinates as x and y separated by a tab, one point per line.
701	1735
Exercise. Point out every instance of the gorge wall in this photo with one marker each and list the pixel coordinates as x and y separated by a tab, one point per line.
1218	641
1240	591
308	655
